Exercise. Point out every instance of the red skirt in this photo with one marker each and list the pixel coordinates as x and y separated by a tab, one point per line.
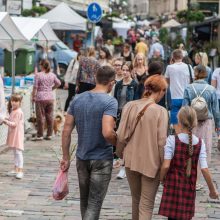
178	199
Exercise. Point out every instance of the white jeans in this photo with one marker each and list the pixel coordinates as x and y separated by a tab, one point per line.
18	158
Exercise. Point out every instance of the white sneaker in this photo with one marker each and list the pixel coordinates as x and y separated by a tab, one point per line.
121	174
19	175
12	173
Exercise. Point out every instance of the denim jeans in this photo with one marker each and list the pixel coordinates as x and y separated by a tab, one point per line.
94	177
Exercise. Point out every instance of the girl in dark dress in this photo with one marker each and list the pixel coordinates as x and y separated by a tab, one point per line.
139	72
126	53
179	170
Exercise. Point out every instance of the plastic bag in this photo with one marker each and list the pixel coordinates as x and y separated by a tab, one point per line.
61	188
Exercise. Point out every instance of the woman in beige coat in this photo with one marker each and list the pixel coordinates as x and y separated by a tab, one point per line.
142	143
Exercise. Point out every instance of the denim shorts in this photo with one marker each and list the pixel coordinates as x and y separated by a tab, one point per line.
176	104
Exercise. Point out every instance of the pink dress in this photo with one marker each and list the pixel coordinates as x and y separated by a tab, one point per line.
15	124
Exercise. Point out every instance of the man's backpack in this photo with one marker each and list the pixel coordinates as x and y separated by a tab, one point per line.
199	104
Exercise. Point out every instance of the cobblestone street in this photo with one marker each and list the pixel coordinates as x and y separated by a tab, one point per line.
31	197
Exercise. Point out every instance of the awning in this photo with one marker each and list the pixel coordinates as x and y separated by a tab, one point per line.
171	23
62	17
36	29
11	37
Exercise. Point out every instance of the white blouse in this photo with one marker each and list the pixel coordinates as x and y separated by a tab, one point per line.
169	148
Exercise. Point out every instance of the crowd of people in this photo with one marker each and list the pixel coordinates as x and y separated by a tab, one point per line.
158	117
135	110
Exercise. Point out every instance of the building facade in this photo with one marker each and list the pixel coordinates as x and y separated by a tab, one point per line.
80	5
208	5
139	8
154	8
161	7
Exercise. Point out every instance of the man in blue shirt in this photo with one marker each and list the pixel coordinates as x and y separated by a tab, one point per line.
93	113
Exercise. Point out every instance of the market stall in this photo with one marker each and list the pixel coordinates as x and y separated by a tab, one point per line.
11	38
37	30
62	17
30	30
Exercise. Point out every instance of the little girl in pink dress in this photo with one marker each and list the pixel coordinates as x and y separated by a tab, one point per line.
15	138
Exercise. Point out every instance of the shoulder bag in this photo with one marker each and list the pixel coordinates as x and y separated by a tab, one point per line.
190	74
120	150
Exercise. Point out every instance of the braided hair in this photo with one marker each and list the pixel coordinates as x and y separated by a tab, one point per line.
188	119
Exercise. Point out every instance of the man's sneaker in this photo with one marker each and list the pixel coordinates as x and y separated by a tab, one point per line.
19	175
12	173
48	138
37	139
121	174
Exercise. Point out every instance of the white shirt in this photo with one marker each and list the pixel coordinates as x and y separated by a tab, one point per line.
156	46
179	76
2	102
216	76
71	73
169	148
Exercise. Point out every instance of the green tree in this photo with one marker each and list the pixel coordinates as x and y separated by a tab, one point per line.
164	35
34	12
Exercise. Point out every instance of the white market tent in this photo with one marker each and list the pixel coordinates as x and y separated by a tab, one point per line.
36	29
171	23
11	39
62	17
122	27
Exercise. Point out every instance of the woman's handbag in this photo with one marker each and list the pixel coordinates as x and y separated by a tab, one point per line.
119	150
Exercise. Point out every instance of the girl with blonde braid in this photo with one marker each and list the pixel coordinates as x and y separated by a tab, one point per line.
179	169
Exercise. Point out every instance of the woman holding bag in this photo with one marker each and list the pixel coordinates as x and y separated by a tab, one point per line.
141	138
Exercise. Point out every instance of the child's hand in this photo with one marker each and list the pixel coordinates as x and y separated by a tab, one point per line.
214	195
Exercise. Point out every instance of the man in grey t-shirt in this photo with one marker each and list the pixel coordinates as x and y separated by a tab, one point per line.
93	113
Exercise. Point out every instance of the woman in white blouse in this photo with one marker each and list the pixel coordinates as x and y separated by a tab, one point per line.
70	79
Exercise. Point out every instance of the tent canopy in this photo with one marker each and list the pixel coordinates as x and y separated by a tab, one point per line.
62	17
171	23
36	29
11	37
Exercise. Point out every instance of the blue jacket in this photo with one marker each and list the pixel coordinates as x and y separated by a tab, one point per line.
131	93
209	95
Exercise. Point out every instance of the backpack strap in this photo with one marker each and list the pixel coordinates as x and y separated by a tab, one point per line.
204	90
194	90
201	92
190	74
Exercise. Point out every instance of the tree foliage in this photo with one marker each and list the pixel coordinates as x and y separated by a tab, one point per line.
34	12
194	15
164	35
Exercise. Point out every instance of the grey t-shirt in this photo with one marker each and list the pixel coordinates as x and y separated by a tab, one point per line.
123	97
88	109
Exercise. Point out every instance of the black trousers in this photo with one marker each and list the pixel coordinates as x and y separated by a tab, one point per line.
83	87
172	219
71	93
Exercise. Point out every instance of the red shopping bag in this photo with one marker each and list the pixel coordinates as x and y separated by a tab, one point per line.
61	188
